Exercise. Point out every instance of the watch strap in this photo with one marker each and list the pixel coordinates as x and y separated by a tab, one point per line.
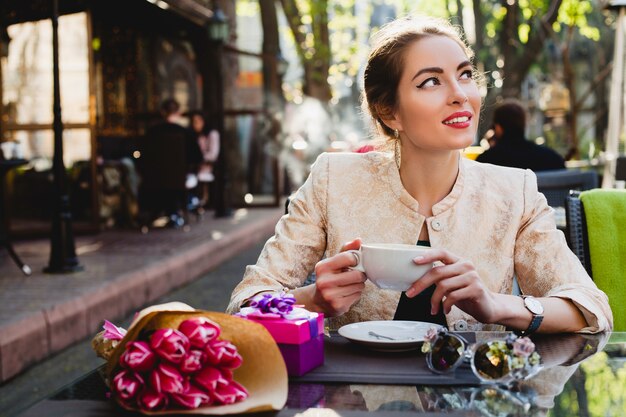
535	322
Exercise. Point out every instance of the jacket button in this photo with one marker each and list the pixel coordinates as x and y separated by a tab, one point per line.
437	225
460	325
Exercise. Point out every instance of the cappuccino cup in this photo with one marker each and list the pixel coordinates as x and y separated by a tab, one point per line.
390	266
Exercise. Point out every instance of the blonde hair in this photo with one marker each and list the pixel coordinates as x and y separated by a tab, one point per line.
386	60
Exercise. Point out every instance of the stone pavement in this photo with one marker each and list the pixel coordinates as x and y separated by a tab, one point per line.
123	270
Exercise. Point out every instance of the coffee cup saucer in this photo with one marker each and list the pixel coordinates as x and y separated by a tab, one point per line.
387	335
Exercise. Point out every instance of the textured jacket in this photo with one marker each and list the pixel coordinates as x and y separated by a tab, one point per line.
494	216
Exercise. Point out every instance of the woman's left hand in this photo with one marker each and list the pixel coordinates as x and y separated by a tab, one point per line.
459	283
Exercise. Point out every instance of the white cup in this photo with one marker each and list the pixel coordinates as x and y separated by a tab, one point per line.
390	266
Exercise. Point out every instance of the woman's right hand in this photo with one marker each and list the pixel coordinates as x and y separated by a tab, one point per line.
337	287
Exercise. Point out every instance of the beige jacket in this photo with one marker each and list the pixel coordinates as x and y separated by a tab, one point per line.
494	216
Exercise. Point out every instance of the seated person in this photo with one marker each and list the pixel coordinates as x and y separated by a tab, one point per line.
485	223
511	148
169	152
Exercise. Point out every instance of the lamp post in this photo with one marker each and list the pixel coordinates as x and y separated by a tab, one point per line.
62	253
217	28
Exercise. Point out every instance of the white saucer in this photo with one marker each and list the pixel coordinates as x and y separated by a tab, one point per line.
387	335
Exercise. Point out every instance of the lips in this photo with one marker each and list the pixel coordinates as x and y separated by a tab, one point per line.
458	120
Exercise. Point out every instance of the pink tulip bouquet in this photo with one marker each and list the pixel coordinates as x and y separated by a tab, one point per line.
172	361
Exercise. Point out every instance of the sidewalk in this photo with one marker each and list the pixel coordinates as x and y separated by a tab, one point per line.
123	270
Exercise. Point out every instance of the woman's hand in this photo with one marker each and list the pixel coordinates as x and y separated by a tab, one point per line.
458	282
337	287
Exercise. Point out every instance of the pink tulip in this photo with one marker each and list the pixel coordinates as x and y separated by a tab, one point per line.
126	384
192	397
150	400
230	393
199	330
223	353
170	344
166	378
193	362
138	356
210	378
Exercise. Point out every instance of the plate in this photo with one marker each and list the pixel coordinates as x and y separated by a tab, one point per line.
387	335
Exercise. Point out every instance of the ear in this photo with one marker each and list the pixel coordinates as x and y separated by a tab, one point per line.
393	123
388	117
497	130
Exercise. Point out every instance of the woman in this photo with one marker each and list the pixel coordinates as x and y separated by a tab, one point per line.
484	223
209	143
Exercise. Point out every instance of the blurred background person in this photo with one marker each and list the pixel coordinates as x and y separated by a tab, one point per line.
208	140
169	156
511	147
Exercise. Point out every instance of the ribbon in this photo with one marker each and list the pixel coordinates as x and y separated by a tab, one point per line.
275	306
281	304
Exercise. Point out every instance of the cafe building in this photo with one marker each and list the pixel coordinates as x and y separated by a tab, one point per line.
118	60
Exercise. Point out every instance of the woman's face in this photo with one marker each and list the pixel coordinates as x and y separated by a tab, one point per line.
438	100
198	123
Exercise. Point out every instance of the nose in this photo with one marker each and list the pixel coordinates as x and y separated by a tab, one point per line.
457	94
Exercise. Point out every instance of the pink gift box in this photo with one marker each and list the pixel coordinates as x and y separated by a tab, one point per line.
293	331
300	341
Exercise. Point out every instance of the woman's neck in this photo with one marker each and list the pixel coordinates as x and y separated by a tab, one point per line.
429	179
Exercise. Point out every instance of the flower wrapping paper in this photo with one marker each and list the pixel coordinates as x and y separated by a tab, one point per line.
262	360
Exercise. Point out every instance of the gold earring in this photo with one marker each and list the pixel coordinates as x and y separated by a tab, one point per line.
397	153
396	134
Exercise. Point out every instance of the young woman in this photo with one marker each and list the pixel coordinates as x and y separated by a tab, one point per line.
209	143
485	224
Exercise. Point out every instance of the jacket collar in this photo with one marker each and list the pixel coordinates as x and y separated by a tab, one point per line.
395	183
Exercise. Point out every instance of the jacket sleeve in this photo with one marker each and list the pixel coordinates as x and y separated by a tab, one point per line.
546	267
299	242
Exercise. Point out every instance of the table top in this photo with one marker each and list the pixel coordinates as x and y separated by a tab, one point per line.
582	375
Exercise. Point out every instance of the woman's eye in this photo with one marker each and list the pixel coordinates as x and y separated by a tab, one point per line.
429	82
467	75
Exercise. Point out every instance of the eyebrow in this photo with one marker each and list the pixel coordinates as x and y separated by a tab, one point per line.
439	70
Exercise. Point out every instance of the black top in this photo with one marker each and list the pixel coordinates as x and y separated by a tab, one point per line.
168	153
515	151
418	307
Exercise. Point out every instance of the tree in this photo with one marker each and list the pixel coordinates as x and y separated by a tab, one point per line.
308	21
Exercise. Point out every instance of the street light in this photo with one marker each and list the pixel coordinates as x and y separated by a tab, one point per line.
62	253
218	32
218	26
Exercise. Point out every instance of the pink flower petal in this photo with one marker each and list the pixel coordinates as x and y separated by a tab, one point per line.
150	400
199	330
138	356
127	384
166	378
230	393
169	344
209	378
192	397
112	332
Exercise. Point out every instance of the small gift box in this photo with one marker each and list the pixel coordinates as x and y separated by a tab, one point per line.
298	332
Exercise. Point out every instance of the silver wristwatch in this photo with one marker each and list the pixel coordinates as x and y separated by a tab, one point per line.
534	306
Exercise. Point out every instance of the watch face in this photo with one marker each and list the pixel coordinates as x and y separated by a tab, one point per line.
533	305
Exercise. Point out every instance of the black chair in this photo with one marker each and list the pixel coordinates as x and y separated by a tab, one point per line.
556	185
576	231
163	170
620	168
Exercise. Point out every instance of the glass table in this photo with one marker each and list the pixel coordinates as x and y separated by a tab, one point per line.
583	375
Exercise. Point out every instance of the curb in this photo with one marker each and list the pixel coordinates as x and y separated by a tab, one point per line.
45	332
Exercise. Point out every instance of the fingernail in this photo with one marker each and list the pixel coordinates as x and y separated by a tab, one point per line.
410	292
432	311
418	259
